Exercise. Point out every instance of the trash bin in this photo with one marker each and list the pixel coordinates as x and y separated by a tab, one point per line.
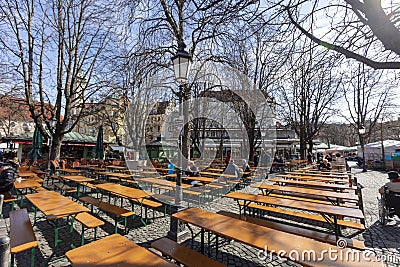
4	251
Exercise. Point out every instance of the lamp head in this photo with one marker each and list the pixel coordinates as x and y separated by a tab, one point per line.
182	62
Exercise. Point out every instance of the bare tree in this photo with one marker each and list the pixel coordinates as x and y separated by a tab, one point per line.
309	92
367	31
199	23
54	47
369	99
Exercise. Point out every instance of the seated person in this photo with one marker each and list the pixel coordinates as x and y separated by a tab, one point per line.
245	168
232	169
392	185
9	174
325	165
171	168
328	157
192	169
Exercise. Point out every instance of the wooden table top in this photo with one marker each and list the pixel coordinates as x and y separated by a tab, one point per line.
311	183
26	183
26	174
77	178
116	167
71	171
329	175
149	173
120	175
86	166
313	178
193	178
218	174
54	205
114	250
205	180
215	170
263	237
301	205
124	191
308	191
116	174
96	169
161	182
104	173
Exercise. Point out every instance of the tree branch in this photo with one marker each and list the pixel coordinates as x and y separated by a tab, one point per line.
347	53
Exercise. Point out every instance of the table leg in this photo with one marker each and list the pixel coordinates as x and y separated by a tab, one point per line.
202	241
77	189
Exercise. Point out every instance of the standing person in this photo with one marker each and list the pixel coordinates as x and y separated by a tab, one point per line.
227	158
309	158
256	159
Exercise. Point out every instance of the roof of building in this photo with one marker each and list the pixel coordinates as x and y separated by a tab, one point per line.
70	138
16	108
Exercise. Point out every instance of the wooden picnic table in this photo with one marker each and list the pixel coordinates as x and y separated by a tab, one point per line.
306	177
117	168
27	174
338	197
78	179
205	180
124	191
262	238
215	170
23	186
324	172
114	250
161	182
322	185
55	206
85	167
70	171
26	184
323	209
96	169
120	176
212	174
328	175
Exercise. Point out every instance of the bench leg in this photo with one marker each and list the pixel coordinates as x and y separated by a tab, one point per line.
83	236
116	225
33	257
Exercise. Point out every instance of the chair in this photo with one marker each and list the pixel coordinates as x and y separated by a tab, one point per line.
389	205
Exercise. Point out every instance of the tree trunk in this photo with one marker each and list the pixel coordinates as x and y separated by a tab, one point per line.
56	147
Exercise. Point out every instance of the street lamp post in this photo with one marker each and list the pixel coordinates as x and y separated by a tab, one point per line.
361	131
52	124
181	63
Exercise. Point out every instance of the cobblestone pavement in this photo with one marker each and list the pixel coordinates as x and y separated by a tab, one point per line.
382	240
